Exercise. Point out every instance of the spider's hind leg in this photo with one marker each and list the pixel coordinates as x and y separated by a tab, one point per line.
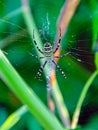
38	75
58	67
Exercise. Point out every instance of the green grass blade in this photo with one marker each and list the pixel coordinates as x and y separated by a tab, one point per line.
62	109
26	95
81	99
14	118
13	14
96	60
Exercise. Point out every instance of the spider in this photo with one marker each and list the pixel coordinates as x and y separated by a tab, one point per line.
48	53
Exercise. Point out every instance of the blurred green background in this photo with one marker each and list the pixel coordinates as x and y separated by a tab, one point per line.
16	43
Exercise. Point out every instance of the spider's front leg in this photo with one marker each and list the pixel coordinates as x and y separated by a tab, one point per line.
58	43
36	44
38	57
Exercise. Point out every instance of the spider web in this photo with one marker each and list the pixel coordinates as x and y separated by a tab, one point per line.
21	33
17	36
43	31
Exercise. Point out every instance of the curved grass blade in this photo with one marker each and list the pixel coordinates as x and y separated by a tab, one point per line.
12	79
14	118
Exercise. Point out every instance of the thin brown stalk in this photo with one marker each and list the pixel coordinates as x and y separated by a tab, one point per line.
65	16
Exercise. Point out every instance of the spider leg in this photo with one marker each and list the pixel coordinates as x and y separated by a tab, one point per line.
58	67
40	70
38	57
58	43
36	44
62	55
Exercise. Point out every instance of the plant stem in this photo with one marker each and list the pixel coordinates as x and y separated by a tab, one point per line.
31	26
26	95
62	109
81	99
64	19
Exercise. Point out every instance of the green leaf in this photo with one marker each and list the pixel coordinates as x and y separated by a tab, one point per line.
26	95
94	7
96	60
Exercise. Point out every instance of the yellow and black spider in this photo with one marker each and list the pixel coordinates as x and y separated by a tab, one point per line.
48	53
